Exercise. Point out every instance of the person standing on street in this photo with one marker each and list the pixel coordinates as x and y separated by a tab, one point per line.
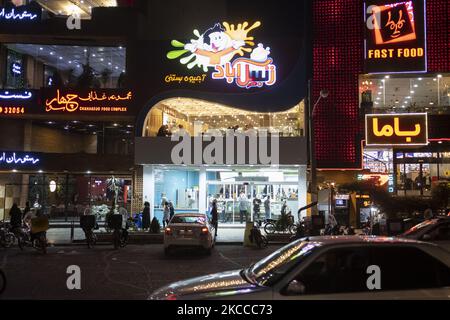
146	216
242	207
166	214
214	216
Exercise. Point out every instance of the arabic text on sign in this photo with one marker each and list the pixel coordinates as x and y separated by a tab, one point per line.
247	73
13	15
13	96
187	79
12	158
389	131
71	102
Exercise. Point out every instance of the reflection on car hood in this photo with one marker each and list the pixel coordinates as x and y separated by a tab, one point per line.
212	286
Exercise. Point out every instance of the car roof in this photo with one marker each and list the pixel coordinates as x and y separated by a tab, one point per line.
333	240
190	214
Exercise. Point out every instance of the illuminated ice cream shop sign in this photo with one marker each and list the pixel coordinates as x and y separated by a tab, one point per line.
224	52
408	129
395	36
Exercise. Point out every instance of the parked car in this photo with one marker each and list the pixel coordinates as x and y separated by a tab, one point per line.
329	267
435	230
189	230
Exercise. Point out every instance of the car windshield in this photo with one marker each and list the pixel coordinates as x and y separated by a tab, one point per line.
189	219
269	270
418	228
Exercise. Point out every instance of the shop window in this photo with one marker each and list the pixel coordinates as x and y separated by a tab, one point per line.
15	70
66	66
252	194
395	94
195	116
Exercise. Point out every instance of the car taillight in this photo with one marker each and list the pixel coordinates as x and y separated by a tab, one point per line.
168	231
204	231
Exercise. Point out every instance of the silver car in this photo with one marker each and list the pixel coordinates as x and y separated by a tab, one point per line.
435	230
342	267
189	230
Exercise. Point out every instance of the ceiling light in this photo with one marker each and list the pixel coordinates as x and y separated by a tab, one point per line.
386	77
431	103
41	48
439	75
434	79
416	85
440	142
420	79
412	91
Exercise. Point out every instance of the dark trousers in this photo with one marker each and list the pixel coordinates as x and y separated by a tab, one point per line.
242	213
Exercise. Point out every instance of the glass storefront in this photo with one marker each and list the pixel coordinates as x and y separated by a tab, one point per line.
65	196
242	194
395	94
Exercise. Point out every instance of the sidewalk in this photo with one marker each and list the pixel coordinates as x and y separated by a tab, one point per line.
62	236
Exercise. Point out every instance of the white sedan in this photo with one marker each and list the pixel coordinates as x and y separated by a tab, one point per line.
342	267
189	230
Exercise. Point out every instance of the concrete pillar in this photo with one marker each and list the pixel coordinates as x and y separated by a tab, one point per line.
148	192
302	189
202	194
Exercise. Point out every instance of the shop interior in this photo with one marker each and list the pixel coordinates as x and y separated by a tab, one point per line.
172	114
395	93
259	191
35	66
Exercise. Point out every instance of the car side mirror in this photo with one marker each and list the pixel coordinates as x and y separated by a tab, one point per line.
426	237
295	288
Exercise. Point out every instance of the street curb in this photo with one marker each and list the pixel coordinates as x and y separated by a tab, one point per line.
83	244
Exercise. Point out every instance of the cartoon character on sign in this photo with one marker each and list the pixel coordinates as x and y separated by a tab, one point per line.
217	47
392	23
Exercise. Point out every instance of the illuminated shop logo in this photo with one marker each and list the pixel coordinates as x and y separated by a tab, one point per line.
94	101
393	23
13	158
397	129
230	52
15	14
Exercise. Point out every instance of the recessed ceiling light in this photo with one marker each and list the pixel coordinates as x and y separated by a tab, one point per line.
397	101
386	77
439	76
416	85
412	91
434	79
420	79
431	103
41	48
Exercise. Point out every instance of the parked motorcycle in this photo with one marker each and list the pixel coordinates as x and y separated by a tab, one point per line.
2	281
257	238
34	235
284	224
88	224
7	238
120	234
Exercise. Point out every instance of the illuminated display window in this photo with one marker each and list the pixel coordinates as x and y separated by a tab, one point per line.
185	112
422	93
66	66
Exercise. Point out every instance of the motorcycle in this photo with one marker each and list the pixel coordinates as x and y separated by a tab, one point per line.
88	224
257	238
284	224
7	238
120	235
34	235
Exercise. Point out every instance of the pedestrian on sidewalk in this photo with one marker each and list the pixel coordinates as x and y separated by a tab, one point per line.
166	216
146	216
214	216
16	216
27	208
